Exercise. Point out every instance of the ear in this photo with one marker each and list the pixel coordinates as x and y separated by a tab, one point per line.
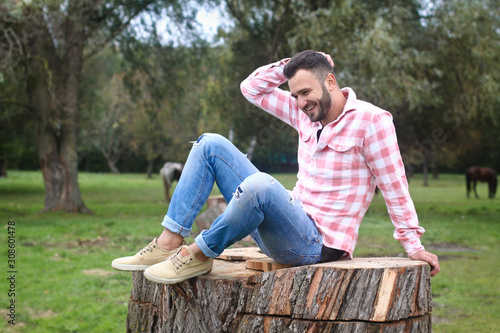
330	82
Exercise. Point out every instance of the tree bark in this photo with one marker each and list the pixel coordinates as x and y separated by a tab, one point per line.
364	294
52	88
258	324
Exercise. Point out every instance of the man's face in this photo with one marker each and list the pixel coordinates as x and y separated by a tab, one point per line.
311	96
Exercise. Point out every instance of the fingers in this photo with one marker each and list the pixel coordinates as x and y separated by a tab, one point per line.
435	270
328	57
434	263
431	259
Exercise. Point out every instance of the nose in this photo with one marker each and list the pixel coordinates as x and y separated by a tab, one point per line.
301	102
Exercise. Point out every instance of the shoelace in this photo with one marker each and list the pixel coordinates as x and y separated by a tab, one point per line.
151	246
148	248
177	261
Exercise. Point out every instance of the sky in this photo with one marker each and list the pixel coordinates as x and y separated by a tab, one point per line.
209	19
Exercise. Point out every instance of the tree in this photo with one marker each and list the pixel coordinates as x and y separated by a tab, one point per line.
258	37
53	39
108	132
377	46
164	83
105	106
15	136
464	37
15	126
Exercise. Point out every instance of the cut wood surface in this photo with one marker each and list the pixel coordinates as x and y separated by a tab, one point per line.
246	253
360	295
264	264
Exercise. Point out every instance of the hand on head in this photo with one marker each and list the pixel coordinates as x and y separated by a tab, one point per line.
328	57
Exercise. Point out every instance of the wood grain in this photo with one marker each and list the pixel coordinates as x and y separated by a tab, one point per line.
360	295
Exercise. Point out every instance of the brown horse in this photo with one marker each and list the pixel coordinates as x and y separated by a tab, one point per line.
473	174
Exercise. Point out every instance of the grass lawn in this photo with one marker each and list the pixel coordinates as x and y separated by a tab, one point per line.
64	282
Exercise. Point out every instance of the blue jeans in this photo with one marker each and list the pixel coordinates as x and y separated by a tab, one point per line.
258	205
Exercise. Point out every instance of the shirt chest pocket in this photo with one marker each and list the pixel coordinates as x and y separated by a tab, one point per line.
346	155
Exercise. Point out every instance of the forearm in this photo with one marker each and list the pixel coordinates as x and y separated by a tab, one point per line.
383	157
402	213
263	81
261	88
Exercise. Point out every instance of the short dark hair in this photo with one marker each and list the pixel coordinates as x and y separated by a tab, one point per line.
309	60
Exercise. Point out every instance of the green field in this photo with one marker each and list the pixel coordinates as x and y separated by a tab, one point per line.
64	282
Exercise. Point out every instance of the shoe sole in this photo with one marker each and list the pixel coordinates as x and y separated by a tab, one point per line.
174	281
123	267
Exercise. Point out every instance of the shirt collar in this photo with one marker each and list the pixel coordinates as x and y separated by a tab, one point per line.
331	130
351	103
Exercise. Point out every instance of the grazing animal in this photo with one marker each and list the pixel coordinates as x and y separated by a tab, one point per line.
169	172
473	174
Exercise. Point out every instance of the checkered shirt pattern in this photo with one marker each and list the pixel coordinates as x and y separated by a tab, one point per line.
338	174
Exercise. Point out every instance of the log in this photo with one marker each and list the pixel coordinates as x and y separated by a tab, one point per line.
216	200
242	254
264	264
205	219
360	295
216	205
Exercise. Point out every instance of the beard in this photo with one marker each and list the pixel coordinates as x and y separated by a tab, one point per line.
324	105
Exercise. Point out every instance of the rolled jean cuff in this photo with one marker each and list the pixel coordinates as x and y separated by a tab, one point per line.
204	247
175	227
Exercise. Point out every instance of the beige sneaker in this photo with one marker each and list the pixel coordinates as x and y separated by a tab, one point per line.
149	255
178	268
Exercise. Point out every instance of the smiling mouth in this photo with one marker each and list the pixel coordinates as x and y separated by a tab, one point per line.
309	108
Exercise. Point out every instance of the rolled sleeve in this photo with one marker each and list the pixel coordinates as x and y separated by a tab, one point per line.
261	88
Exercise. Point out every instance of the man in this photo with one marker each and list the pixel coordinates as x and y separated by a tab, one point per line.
346	148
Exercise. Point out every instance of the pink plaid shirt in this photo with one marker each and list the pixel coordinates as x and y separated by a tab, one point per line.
337	174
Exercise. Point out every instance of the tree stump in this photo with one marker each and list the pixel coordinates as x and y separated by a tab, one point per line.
216	205
360	295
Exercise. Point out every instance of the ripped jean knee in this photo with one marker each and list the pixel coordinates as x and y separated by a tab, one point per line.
256	185
210	139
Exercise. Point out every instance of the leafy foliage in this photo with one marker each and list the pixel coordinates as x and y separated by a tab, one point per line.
432	64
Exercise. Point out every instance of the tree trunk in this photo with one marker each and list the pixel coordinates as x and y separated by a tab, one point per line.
3	167
112	166
425	171
111	162
112	156
149	171
251	148
361	295
53	91
435	169
58	162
